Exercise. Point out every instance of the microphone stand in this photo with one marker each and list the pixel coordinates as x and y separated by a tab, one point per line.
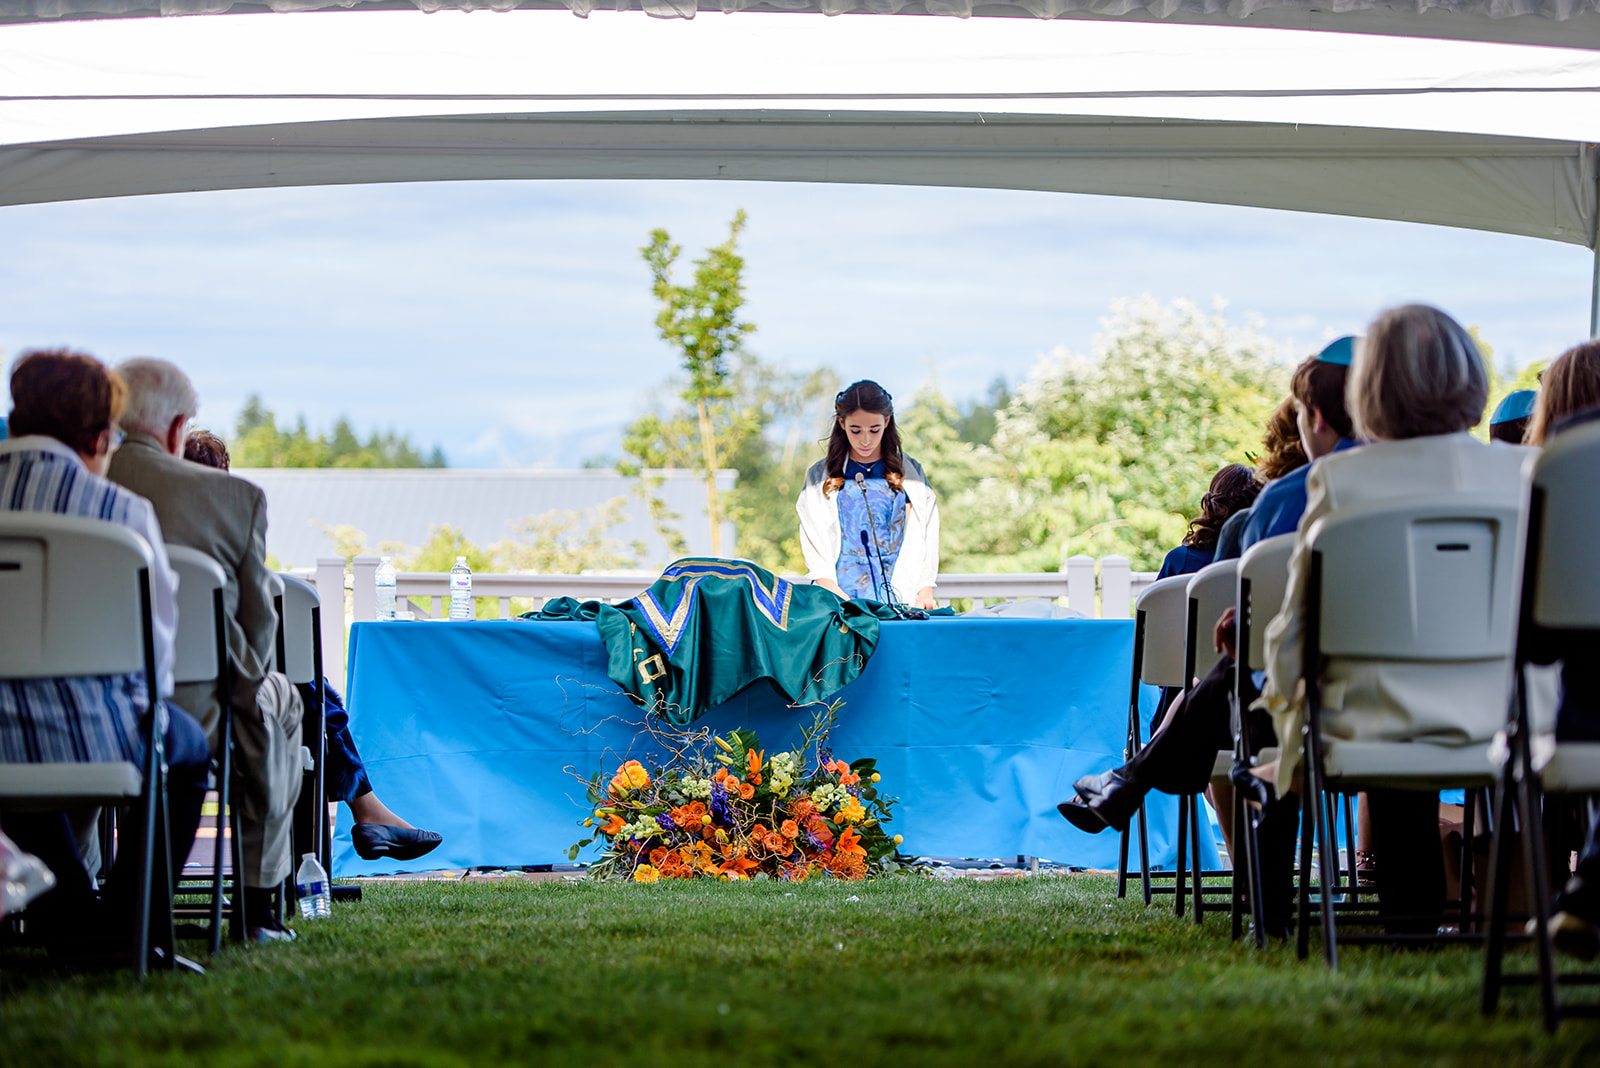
892	600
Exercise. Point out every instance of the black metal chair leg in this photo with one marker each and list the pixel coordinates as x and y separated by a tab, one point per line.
1533	854
1122	864
1303	922
1144	852
1469	878
1180	870
1353	877
1499	892
1238	875
1195	864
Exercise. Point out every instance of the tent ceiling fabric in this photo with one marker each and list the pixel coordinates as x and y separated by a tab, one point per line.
1560	23
1524	186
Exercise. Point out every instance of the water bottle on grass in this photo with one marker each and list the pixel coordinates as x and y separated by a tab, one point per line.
385	581
461	590
311	889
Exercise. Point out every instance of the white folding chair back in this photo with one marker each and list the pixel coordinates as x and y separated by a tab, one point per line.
1212	591
1430	579
1165	605
1265	566
299	637
1566	593
199	577
70	587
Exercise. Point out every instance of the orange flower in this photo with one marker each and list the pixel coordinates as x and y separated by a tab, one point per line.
849	779
612	825
849	842
658	855
804	809
752	761
790	829
755	778
778	844
630	777
846	866
746	791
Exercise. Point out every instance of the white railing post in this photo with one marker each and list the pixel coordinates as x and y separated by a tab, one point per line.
1080	584
330	591
1116	587
364	589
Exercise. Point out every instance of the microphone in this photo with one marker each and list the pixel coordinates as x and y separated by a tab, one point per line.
861	483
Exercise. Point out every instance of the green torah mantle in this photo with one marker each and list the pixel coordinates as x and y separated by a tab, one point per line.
708	628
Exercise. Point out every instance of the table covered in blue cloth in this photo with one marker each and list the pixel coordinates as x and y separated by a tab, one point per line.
479	730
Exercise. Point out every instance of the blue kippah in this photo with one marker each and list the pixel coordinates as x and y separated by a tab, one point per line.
1339	351
1518	405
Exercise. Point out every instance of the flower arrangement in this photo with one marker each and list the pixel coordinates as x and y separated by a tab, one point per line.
722	808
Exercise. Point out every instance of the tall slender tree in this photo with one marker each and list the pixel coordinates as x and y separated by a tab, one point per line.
701	321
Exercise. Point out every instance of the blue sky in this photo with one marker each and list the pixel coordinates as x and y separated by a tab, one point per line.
511	322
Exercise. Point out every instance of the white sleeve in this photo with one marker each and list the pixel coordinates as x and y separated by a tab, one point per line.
930	541
163	594
818	563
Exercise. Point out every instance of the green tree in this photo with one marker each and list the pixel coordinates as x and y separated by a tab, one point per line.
258	441
1103	454
701	321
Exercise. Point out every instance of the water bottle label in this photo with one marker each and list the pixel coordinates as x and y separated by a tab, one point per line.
312	889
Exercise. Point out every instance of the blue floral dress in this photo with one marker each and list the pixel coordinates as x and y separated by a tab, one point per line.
879	511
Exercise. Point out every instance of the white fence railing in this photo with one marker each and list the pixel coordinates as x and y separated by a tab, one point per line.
1105	588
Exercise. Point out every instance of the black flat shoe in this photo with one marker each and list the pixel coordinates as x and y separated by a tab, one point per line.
1082	816
379	841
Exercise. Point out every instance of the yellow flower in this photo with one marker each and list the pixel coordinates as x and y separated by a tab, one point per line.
644	873
876	777
899	838
630	777
852	811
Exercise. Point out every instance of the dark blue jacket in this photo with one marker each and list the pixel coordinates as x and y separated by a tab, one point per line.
1185	560
1281	504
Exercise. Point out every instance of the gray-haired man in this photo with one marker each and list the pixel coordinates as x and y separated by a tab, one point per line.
225	518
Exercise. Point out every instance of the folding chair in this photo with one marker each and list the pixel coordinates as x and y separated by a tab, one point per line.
1427	580
300	658
202	656
1263	576
1212	591
1558	618
78	603
1158	628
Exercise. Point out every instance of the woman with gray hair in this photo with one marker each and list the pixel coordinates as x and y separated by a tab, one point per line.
1417	386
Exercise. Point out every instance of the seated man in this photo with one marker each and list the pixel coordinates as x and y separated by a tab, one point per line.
377	832
225	518
64	408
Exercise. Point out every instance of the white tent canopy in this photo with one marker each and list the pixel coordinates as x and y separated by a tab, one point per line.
1559	23
1474	135
1420	131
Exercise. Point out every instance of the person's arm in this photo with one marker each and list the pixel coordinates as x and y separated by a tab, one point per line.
256	616
820	567
929	526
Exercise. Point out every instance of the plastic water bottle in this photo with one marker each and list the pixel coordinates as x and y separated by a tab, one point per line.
311	889
385	581
461	590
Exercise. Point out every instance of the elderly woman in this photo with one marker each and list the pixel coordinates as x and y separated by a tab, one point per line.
63	428
1416	386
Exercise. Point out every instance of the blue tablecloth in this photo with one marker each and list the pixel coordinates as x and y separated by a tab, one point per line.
979	726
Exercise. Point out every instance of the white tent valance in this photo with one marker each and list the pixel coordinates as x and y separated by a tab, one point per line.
1560	23
1513	185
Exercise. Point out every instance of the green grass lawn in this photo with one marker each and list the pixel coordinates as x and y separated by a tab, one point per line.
1050	971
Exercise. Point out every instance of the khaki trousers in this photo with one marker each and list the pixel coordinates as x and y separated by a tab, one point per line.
268	771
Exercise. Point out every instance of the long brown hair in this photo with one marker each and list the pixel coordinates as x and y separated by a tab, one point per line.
863	396
1232	488
1283	451
1569	385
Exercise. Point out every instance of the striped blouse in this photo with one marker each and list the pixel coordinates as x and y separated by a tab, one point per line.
77	720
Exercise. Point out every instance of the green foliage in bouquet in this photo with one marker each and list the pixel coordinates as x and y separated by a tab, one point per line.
721	808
